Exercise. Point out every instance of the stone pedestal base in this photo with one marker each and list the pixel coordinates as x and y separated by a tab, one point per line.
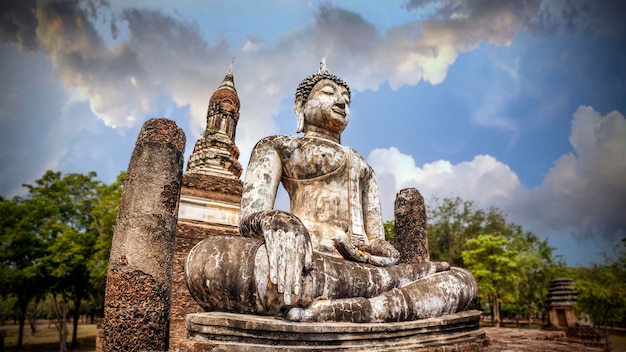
216	331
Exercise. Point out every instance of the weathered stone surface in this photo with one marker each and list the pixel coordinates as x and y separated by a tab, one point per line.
326	259
411	238
223	288
137	298
236	332
212	187
223	273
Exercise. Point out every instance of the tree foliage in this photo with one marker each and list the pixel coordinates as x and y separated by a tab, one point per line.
23	250
56	242
601	289
495	263
512	266
454	221
103	215
389	227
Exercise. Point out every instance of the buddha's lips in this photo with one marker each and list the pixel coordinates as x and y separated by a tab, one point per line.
339	110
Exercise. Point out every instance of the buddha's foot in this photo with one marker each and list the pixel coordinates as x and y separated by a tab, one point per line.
446	292
355	310
441	266
295	314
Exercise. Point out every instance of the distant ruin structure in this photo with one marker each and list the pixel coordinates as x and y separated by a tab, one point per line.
560	304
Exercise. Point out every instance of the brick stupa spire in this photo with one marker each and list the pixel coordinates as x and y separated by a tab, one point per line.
210	196
216	153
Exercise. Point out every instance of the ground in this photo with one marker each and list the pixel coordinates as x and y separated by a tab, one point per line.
46	338
516	339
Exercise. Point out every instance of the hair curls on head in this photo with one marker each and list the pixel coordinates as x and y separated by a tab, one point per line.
307	84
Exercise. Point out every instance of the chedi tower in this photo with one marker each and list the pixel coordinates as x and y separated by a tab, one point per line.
216	153
210	196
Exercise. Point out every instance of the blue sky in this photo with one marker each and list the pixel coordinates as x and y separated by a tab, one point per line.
518	105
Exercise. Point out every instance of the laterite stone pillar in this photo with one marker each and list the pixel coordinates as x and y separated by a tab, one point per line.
139	281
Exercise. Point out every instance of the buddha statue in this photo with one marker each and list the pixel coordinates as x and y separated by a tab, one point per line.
327	258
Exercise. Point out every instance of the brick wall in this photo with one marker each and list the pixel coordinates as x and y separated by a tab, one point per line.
188	235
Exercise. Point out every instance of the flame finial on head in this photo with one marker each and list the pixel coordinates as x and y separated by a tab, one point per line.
323	68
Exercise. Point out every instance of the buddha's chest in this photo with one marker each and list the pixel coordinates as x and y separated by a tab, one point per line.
312	158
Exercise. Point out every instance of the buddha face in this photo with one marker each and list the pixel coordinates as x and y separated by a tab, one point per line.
327	106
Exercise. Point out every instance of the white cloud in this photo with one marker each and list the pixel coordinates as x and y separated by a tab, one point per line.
161	59
584	194
483	179
585	191
156	58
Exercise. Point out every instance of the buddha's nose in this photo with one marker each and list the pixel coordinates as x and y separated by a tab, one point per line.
340	101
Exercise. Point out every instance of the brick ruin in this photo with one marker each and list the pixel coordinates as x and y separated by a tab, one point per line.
560	302
210	196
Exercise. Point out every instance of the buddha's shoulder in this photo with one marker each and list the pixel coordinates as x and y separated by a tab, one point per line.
277	141
286	145
290	143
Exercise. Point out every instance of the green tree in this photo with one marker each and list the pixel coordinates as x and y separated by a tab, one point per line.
495	263
538	267
390	230
601	290
57	241
454	221
71	239
8	306
23	249
451	222
104	215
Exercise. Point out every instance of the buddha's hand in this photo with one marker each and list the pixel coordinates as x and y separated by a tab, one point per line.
288	247
382	248
380	253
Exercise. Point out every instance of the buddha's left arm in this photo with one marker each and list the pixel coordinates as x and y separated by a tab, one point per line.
382	250
372	215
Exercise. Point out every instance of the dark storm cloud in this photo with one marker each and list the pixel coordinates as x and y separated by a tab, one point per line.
123	82
18	23
542	17
584	192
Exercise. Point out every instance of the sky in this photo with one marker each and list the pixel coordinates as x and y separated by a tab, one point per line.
513	104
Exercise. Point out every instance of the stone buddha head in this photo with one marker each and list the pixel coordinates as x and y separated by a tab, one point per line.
322	103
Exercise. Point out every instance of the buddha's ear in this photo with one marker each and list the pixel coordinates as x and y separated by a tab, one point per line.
299	109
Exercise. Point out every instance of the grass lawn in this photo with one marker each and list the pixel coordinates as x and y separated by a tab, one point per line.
47	339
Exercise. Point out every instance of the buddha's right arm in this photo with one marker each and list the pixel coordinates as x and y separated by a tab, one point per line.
260	186
286	239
